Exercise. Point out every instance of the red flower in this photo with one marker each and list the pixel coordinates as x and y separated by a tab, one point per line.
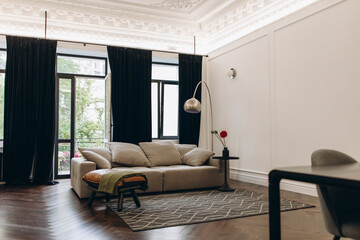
221	137
223	134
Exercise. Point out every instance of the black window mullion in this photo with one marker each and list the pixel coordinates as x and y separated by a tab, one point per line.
165	63
73	108
161	110
159	107
56	158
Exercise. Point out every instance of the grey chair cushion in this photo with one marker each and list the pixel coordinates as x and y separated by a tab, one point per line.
339	206
327	157
350	225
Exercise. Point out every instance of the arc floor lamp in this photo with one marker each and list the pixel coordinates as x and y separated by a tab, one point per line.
193	105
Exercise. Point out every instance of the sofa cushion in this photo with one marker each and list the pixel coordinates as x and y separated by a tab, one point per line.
100	161
184	148
178	177
104	152
128	154
196	157
161	153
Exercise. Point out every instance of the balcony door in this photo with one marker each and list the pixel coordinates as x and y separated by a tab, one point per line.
66	126
82	108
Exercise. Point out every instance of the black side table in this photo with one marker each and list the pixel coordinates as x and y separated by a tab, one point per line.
225	187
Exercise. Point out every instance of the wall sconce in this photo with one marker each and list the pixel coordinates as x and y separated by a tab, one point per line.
231	73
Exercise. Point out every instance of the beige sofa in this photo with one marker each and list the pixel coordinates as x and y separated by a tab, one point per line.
160	178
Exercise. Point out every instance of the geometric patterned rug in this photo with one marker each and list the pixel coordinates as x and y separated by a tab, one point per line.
174	209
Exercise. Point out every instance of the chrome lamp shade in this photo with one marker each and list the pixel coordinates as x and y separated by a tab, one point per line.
192	105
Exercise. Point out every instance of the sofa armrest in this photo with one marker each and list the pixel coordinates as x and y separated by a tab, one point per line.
79	167
216	163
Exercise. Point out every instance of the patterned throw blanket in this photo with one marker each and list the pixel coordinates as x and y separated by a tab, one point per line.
109	182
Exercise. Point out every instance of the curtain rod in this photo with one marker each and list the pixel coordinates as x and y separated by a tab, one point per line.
99	44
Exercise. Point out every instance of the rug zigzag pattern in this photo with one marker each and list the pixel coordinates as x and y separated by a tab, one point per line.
165	210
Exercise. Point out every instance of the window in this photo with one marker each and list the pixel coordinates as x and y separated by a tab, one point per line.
82	107
2	90
81	66
165	98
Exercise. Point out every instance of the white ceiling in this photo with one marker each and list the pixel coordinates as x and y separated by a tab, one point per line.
151	24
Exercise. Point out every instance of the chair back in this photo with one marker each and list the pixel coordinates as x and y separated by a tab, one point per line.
334	201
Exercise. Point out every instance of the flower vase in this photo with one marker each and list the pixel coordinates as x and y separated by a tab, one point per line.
225	153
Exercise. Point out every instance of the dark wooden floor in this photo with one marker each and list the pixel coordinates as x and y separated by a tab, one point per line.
55	212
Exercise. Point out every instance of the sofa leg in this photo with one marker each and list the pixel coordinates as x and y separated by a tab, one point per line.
91	199
336	238
120	201
135	197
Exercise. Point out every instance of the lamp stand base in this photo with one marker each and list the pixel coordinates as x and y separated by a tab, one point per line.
226	188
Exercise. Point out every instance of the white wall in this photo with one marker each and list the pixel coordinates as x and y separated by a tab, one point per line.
297	89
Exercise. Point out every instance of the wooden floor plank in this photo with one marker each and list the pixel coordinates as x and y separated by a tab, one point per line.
55	212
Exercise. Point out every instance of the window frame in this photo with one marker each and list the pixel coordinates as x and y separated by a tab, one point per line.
3	70
86	57
73	77
161	90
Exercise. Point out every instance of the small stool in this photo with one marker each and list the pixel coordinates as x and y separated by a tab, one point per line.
127	184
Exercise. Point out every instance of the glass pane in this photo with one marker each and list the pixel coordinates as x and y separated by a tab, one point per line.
154	109
2	84
64	108
64	159
90	113
171	100
172	58
2	59
165	72
77	65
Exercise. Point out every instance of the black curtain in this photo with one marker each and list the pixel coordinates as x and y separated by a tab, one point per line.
190	67
130	94
29	118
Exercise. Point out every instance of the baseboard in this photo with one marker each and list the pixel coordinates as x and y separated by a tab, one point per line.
261	178
249	176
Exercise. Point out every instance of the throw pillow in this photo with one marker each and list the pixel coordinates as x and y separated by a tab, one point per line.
161	153
104	152
128	154
196	157
100	161
184	148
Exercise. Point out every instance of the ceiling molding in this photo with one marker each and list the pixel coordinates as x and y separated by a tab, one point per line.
184	5
156	24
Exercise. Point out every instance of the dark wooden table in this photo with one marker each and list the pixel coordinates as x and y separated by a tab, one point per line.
345	176
225	187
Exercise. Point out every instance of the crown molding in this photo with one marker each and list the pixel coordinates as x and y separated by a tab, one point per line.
159	24
247	18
